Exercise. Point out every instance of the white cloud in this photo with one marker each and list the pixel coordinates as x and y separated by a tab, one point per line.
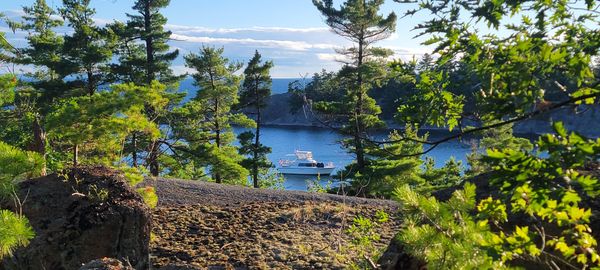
179	70
199	29
282	44
331	57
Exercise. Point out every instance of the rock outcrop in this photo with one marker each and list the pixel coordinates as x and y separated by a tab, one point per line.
585	119
106	264
86	214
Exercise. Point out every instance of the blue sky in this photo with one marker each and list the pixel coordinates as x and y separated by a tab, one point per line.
289	32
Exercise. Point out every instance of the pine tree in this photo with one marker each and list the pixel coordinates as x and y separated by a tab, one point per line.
255	91
359	22
15	165
98	124
89	48
148	26
153	63
44	51
218	92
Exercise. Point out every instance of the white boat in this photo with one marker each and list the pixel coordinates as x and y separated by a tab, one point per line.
304	164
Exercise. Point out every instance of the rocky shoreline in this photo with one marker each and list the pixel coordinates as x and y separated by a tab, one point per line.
585	120
199	225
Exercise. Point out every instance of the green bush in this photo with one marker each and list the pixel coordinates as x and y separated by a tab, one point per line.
15	165
15	231
149	196
541	214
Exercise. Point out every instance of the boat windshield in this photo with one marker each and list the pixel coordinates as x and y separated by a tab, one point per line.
304	155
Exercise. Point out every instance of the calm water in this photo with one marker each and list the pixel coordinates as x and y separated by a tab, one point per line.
325	146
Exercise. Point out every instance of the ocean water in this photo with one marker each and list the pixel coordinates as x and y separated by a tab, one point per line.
324	143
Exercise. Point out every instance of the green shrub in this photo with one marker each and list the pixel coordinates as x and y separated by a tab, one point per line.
444	234
149	196
15	231
15	165
550	195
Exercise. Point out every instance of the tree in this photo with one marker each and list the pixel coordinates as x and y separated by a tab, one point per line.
255	91
148	26
99	124
89	48
15	165
218	92
44	52
540	211
323	86
359	22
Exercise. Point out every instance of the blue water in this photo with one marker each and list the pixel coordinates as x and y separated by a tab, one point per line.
324	143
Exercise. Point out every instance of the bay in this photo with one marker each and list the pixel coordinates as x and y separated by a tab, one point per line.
324	143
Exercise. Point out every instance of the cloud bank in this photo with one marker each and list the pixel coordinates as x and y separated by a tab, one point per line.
294	51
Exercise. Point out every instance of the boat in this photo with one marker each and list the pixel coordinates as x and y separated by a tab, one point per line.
304	164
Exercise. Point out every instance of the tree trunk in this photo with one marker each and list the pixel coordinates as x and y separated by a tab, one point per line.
217	137
90	83
75	155
134	150
256	145
149	43
154	145
39	142
358	131
153	158
257	138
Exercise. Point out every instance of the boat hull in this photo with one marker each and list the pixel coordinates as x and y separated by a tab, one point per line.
305	171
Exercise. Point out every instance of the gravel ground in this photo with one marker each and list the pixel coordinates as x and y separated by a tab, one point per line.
183	192
199	225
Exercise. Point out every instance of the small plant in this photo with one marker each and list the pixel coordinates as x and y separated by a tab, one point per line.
443	234
98	194
314	185
271	179
149	196
134	175
15	231
15	165
363	234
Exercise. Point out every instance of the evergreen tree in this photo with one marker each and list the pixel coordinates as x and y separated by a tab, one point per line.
89	48
97	125
359	22
44	52
15	165
147	26
218	92
255	91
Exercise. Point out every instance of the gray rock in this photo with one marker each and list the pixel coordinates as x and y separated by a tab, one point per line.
75	222
106	264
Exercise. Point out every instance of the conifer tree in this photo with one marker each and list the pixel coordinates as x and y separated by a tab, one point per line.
89	48
44	52
255	91
359	22
98	124
150	61
148	26
218	92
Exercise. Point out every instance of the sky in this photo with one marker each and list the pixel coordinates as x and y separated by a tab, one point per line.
291	33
